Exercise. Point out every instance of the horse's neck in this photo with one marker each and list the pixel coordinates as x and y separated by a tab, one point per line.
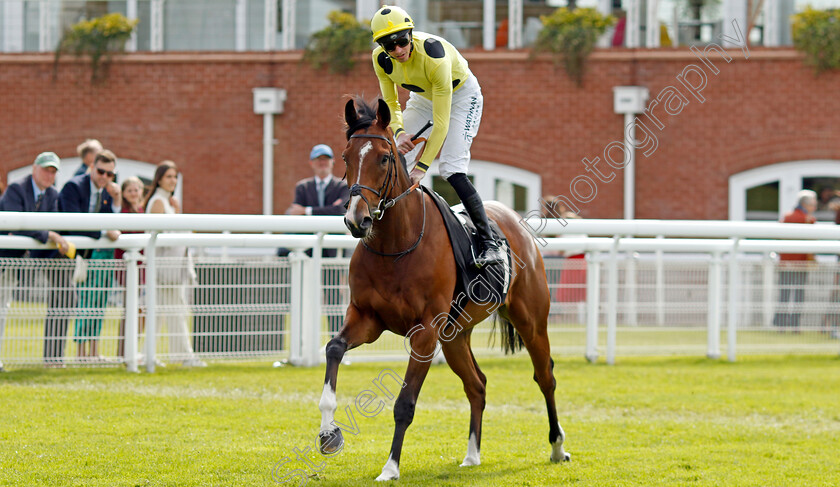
400	228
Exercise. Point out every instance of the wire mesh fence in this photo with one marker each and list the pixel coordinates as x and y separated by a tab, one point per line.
55	313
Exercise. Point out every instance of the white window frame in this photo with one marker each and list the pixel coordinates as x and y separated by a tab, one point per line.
485	174
788	174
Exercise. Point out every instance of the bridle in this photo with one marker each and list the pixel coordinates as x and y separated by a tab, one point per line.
383	192
385	189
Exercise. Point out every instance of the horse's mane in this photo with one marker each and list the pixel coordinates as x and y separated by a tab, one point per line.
366	113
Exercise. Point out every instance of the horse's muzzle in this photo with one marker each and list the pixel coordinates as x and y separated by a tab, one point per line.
361	230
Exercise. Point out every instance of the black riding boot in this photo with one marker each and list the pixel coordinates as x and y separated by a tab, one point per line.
490	251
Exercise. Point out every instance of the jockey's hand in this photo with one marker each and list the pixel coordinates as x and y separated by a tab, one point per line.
404	143
416	175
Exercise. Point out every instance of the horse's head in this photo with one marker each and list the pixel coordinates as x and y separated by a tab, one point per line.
372	168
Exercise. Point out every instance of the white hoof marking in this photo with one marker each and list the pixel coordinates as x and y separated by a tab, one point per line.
557	453
473	455
389	472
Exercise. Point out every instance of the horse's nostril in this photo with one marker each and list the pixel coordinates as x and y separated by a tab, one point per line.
366	223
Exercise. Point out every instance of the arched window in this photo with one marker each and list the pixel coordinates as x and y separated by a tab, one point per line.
768	192
516	188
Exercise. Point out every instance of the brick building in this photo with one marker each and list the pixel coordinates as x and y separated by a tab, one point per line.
767	126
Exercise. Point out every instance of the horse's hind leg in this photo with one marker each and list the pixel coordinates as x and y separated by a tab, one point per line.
461	361
531	324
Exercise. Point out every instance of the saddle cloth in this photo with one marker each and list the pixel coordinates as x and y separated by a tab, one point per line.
483	286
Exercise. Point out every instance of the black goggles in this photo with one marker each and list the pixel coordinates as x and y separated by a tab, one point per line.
391	43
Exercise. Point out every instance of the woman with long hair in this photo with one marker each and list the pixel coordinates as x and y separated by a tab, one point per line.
173	270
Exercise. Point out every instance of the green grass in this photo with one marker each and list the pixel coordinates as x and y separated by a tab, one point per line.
647	421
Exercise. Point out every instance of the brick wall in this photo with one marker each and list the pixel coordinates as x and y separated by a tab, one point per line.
196	109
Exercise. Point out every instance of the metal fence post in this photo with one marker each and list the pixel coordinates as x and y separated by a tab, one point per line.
660	285
151	303
768	265
713	313
632	313
132	291
296	260
593	291
731	324
312	304
612	301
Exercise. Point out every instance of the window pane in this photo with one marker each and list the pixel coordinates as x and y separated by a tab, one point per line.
826	188
144	27
199	26
520	198
763	202
311	16
443	188
256	25
31	20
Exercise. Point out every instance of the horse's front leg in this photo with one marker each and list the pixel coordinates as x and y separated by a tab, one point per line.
357	330
423	344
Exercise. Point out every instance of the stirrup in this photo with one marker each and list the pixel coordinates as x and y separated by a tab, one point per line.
490	254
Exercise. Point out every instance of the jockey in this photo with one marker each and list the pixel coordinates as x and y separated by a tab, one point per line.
442	89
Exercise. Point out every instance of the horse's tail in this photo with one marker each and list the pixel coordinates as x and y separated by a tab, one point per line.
511	340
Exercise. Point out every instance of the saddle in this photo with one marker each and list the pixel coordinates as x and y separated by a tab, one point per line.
486	285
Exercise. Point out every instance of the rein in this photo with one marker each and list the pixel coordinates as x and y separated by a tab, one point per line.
384	202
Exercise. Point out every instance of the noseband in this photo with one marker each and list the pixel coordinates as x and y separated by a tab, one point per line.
385	189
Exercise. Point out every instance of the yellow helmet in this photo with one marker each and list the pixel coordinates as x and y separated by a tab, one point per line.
388	20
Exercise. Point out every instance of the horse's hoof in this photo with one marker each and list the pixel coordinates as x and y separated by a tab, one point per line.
389	472
564	458
330	442
470	462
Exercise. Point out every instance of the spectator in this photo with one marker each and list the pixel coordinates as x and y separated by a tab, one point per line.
132	202
620	28
572	288
829	199
172	276
831	319
322	194
87	150
94	192
31	193
793	267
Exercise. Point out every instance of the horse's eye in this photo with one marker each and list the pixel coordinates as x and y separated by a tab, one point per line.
384	160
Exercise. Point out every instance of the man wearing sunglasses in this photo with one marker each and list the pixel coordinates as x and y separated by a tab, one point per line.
94	192
443	90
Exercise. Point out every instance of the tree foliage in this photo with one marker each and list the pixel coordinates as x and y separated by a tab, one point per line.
570	35
97	38
817	34
337	44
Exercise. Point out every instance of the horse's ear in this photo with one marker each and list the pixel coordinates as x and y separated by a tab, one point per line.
383	114
350	115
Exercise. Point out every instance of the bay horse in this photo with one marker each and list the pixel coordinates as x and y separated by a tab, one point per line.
403	276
